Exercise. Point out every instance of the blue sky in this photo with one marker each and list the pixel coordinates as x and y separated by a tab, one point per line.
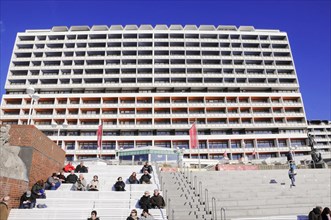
306	22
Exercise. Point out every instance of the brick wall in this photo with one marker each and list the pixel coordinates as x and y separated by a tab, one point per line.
14	188
45	159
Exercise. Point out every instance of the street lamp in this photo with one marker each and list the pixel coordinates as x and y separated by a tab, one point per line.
34	98
180	154
55	125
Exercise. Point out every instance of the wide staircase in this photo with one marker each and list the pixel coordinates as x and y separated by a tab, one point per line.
244	194
65	204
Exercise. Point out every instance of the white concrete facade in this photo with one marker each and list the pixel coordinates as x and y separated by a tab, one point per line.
148	84
321	132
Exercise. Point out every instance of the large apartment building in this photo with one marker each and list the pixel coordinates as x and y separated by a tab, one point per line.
149	84
320	130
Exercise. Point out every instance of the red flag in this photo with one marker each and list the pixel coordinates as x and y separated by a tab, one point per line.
99	136
225	155
254	152
193	136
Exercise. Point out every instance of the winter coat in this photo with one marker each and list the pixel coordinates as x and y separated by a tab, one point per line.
71	178
119	186
36	188
133	179
145	202
81	169
145	178
94	185
315	214
157	201
149	168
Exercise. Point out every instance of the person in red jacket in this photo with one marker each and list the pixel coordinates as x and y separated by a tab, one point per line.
69	167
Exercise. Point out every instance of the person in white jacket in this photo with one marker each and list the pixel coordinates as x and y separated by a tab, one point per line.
94	184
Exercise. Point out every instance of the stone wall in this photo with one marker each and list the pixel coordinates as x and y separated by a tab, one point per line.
26	157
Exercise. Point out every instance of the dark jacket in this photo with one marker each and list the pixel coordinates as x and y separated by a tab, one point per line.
62	177
36	189
145	202
130	218
119	186
24	198
149	168
157	202
95	219
133	180
145	178
71	178
315	214
81	169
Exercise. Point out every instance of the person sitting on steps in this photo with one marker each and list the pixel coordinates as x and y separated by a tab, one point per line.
69	167
94	184
94	216
147	167
145	201
145	178
119	185
72	177
157	200
53	182
80	185
133	178
27	201
81	168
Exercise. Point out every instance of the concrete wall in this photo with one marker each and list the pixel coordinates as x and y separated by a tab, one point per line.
26	157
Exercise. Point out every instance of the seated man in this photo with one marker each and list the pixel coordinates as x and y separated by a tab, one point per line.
81	168
38	190
119	185
72	177
62	177
80	185
94	184
315	214
145	178
69	167
145	201
157	200
147	167
27	201
53	182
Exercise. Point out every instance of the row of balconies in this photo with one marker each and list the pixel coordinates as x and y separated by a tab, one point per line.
167	44
31	39
149	64
224	54
69	75
175	49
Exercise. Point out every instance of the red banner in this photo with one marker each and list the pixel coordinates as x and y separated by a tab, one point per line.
99	136
193	137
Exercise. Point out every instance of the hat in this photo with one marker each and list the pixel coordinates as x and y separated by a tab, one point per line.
28	193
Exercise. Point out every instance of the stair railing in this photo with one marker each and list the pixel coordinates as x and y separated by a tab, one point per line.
213	204
223	214
207	201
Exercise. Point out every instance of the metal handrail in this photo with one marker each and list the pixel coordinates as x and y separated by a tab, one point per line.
173	214
195	184
190	177
213	204
223	213
168	207
206	201
200	191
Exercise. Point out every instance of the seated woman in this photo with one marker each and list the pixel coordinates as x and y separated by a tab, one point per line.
94	184
133	178
93	216
53	182
119	185
133	215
